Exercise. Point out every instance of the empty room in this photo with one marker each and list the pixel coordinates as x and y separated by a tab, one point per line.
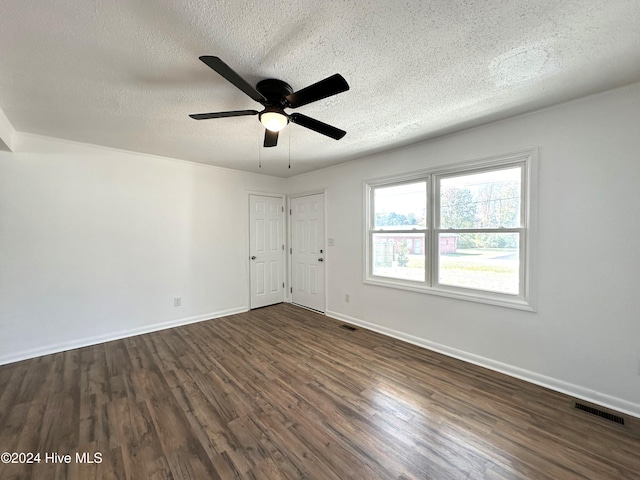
319	240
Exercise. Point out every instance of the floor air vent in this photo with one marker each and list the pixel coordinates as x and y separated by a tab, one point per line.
348	327
599	413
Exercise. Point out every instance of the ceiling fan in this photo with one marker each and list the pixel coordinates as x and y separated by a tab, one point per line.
275	96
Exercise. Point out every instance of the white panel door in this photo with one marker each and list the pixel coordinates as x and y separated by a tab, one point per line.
307	251
266	252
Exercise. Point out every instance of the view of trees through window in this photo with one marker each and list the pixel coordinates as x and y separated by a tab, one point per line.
477	208
400	213
478	230
481	201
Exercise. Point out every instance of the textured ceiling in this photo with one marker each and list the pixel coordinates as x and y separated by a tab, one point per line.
126	74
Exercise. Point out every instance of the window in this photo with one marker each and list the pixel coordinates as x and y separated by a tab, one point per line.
399	218
461	231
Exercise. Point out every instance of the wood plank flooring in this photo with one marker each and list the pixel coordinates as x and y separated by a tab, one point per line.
284	393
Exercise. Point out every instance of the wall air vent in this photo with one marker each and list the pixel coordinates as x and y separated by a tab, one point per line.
599	413
348	327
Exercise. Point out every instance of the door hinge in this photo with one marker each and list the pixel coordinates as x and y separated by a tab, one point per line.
282	246
282	284
289	211
291	290
282	209
290	251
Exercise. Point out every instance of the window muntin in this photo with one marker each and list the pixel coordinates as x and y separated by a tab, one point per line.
468	237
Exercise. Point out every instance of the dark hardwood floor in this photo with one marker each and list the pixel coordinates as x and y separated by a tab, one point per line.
282	392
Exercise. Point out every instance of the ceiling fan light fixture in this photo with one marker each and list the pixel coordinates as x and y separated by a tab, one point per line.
273	120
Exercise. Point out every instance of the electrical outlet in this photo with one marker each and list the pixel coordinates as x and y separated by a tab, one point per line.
177	301
347	298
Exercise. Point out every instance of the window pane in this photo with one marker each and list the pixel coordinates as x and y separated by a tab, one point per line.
481	200
399	255
484	261
400	207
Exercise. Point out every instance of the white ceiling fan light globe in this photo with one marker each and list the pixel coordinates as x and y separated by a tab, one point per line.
273	121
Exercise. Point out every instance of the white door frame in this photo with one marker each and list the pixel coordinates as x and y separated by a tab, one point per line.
288	292
282	196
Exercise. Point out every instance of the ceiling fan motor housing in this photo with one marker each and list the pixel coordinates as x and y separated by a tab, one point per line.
275	92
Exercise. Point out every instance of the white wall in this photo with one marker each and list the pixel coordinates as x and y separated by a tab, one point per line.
95	243
585	337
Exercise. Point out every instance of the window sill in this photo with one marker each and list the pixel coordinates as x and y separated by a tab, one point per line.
508	301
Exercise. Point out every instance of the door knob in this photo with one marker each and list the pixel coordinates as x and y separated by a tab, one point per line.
253	257
321	259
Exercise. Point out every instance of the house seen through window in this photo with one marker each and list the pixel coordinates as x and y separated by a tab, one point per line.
462	231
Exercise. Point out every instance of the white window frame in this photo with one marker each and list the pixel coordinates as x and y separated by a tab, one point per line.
525	299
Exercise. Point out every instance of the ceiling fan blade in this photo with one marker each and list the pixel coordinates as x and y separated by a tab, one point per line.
234	113
270	138
317	126
324	88
223	69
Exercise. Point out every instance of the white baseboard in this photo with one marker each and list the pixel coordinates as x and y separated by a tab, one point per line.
592	396
85	342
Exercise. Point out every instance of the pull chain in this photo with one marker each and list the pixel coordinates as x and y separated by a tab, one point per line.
289	150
